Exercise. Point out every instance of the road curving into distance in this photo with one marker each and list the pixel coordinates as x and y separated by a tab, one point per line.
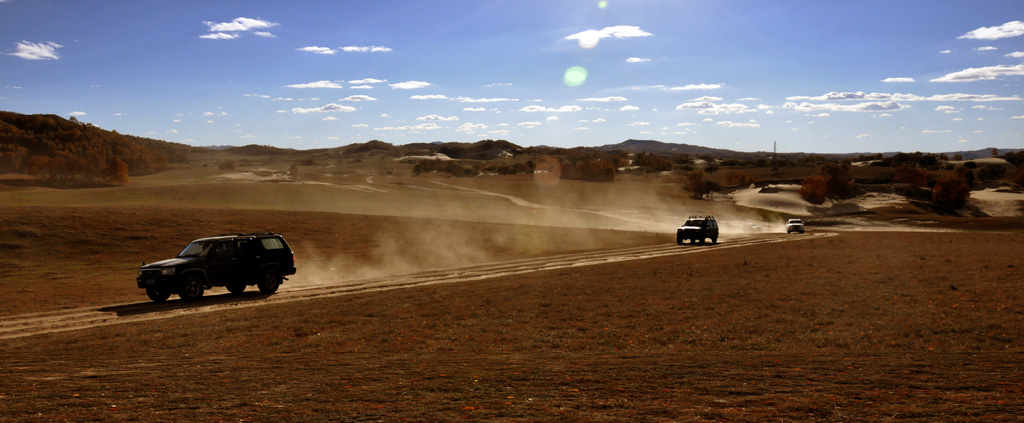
84	318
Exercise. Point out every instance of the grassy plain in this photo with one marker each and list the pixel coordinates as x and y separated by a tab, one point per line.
864	326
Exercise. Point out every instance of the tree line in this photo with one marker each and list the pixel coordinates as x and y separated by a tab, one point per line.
68	152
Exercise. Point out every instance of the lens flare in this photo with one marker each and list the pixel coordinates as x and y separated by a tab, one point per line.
575	76
602	4
547	171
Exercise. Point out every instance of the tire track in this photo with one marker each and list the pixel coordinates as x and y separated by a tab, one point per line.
84	318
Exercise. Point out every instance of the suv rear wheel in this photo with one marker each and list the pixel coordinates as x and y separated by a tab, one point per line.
191	288
269	282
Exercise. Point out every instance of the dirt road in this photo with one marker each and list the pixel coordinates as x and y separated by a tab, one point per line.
84	318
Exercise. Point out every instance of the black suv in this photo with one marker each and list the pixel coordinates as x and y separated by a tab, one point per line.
232	261
698	228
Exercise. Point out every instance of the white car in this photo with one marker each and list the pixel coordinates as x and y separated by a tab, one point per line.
794	225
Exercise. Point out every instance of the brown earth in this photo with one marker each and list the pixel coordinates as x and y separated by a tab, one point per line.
863	326
859	327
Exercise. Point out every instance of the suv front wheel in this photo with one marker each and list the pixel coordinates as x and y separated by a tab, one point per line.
191	288
158	294
269	283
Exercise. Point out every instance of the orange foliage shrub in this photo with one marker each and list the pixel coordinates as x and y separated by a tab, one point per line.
909	174
952	191
832	181
739	178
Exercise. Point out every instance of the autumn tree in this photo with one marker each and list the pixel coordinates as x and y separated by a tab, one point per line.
698	184
119	171
832	181
908	174
952	190
739	178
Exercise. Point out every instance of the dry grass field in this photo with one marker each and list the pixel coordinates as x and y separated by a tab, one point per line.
862	326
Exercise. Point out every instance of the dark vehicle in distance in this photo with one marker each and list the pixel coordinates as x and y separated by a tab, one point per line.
698	228
232	261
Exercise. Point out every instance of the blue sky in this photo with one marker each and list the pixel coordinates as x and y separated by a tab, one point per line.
815	76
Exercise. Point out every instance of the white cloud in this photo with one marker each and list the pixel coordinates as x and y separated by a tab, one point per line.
474	109
898	79
598	120
328	108
361	87
264	34
77	113
863	136
46	50
551	118
364	49
981	74
930	131
239	24
220	36
1006	30
1015	55
471	128
317	84
604	99
358	98
368	81
639	124
438	118
833	96
329	118
945	51
429	97
590	37
946	109
529	125
730	124
709	108
421	127
696	87
986	48
708	98
360	125
537	108
317	50
628	108
637	60
484	100
860	107
410	85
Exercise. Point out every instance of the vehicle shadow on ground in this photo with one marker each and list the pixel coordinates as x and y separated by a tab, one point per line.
171	305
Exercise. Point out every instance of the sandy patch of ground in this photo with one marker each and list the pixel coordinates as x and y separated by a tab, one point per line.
783	198
998	201
436	156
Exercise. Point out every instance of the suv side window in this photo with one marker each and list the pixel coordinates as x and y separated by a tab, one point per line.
246	248
224	249
272	243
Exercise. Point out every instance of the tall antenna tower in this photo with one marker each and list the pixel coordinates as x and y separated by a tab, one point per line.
775	149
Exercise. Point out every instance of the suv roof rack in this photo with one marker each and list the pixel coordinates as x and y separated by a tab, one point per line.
252	234
701	217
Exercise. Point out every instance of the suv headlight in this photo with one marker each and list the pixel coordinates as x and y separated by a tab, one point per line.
167	271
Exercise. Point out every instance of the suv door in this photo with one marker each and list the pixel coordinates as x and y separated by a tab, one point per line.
222	263
248	267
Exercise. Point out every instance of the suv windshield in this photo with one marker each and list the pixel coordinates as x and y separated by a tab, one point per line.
694	222
195	249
